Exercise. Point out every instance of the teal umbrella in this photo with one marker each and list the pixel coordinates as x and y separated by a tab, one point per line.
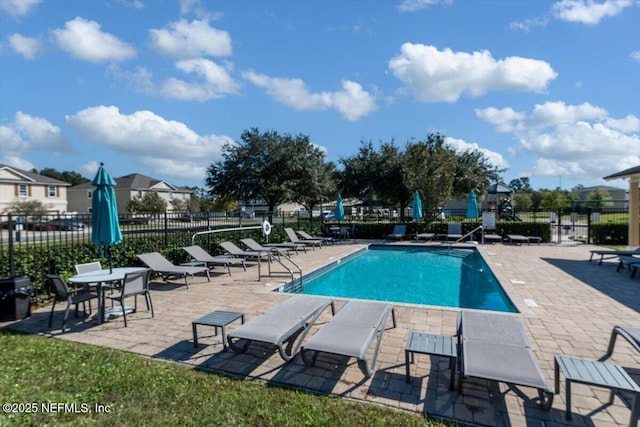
416	208
472	205
339	208
105	227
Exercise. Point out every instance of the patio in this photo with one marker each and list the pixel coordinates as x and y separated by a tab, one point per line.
568	306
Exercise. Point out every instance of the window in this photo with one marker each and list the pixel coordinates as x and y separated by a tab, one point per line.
170	196
89	194
52	191
22	190
184	196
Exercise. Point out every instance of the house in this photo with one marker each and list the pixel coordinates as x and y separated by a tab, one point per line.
20	185
127	188
618	195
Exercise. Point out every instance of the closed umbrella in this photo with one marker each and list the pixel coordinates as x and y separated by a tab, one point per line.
416	208
472	205
105	226
339	208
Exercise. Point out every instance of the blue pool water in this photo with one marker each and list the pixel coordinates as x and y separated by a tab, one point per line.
429	276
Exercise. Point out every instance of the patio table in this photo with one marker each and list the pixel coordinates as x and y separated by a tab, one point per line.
100	277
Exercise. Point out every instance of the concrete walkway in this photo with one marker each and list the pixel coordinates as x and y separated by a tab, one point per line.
567	305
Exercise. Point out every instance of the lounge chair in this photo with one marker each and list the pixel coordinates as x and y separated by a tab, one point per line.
350	333
517	238
307	236
162	267
399	232
492	237
454	231
294	239
608	254
630	262
257	247
627	332
495	347
202	256
285	326
235	251
425	236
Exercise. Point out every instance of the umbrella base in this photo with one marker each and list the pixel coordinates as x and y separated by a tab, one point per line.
113	312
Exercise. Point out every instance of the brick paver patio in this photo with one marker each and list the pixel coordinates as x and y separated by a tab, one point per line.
567	305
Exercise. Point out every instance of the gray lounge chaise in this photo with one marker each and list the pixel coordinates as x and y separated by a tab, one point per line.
257	247
294	239
285	326
235	251
200	255
307	236
629	333
161	266
350	333
399	232
495	347
454	231
608	254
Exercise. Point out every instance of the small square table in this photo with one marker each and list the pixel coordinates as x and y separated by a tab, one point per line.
217	319
596	373
438	345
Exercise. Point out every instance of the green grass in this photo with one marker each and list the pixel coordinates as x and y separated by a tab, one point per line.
142	391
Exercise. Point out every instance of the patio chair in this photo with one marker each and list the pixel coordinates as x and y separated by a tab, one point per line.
630	262
162	267
307	236
350	333
495	347
285	326
202	256
399	232
608	254
454	231
629	333
294	239
70	296
134	284
95	266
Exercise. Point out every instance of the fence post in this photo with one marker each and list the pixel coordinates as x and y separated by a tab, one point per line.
559	225
166	230
588	209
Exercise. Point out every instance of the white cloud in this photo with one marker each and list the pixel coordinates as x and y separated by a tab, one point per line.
161	145
191	40
84	40
528	24
352	102
17	8
28	47
580	141
18	162
444	76
90	168
28	134
588	12
415	5
493	157
635	55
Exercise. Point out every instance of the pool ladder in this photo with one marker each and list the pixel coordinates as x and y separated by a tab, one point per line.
467	235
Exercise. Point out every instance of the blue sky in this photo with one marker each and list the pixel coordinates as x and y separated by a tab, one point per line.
549	90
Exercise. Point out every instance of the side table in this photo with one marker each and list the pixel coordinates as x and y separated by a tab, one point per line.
438	345
596	373
217	319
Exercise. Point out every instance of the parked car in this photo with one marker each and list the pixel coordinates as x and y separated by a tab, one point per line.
38	226
243	214
67	224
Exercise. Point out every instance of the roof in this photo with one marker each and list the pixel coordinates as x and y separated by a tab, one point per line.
624	174
137	181
26	177
499	188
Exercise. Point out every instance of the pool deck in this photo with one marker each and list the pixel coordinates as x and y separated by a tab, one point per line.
567	304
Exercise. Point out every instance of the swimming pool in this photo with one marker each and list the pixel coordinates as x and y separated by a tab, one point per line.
429	276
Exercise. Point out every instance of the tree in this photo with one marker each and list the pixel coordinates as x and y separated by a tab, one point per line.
521	184
555	199
430	168
599	198
149	202
522	200
390	179
73	178
266	166
27	208
357	178
473	171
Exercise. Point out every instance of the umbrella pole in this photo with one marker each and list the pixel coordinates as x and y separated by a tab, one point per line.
109	257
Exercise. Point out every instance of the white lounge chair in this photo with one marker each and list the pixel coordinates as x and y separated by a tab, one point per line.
350	333
164	268
285	326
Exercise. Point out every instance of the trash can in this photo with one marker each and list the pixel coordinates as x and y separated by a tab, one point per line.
15	298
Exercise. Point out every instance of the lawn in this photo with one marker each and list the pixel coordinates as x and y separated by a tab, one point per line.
47	381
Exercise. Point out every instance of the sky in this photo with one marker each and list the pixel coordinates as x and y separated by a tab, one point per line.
548	90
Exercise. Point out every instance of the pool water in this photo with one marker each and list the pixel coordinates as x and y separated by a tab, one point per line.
430	276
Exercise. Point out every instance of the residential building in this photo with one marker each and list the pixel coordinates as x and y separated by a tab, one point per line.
20	185
127	188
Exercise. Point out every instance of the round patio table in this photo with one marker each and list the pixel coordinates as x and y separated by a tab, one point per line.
100	277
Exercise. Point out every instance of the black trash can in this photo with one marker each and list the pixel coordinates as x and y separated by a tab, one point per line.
15	298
